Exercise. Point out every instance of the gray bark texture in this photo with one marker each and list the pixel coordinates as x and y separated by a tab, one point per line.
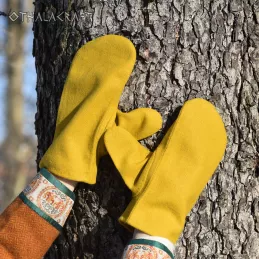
186	49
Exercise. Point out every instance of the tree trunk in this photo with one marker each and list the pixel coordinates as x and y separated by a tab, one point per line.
186	49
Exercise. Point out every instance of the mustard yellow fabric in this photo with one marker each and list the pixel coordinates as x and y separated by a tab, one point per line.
166	184
97	76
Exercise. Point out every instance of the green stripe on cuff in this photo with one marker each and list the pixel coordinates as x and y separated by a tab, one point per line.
51	178
40	212
151	243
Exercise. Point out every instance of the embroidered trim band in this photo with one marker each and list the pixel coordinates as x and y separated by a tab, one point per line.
49	198
144	248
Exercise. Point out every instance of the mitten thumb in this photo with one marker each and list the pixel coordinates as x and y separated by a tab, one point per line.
141	122
128	155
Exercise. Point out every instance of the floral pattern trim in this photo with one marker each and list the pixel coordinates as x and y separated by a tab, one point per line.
49	198
146	249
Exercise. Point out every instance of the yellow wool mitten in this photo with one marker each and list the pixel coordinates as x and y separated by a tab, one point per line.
88	107
166	184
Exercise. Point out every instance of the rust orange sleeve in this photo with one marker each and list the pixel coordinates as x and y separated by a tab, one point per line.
23	233
31	223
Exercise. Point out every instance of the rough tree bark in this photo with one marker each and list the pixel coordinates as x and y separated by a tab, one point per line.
186	49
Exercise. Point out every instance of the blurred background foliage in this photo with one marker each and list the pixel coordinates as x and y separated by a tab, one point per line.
18	143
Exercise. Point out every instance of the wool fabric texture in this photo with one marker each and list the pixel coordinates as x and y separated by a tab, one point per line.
166	184
88	107
23	233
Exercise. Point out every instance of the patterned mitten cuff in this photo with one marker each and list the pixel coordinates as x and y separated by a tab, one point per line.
146	248
49	198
